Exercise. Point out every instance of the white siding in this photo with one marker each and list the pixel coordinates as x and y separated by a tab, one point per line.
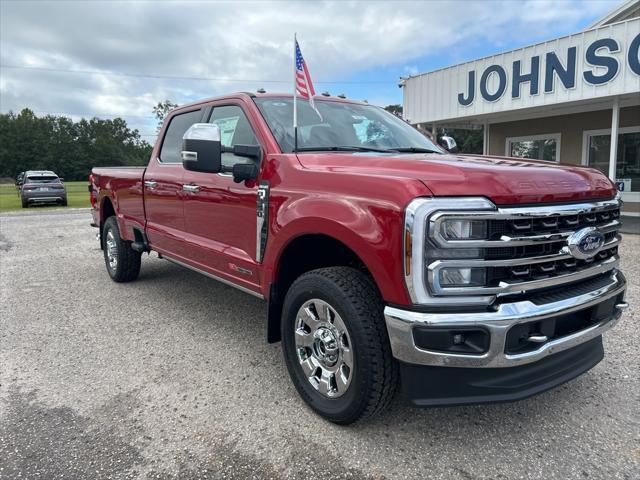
433	97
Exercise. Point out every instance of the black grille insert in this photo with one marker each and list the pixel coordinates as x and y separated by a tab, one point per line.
538	271
555	224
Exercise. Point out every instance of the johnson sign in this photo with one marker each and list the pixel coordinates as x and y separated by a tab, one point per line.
602	62
604	58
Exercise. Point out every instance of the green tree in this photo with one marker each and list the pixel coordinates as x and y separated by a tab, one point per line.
161	110
69	148
395	109
468	140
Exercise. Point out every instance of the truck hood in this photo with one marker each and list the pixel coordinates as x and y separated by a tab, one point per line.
504	180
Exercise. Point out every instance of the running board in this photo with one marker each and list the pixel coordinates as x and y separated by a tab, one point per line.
214	277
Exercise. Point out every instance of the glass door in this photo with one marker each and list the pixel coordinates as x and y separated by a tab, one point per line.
598	145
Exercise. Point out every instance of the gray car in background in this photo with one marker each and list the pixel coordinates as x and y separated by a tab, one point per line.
42	186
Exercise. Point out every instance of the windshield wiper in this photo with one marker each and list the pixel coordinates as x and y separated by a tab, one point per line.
344	148
415	150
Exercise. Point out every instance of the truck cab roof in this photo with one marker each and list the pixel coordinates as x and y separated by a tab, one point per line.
251	95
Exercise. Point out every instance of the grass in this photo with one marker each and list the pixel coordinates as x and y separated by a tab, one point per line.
77	196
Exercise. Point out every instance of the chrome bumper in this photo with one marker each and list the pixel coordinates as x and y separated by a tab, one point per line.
400	325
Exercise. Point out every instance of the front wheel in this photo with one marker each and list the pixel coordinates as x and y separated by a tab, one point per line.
123	263
336	345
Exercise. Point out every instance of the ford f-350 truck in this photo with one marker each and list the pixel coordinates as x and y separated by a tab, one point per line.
384	259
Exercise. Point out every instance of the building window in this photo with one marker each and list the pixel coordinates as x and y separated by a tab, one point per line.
538	147
596	151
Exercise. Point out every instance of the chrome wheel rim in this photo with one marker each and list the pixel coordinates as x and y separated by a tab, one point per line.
112	250
323	348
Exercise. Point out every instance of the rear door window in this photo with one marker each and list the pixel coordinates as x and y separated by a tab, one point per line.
172	143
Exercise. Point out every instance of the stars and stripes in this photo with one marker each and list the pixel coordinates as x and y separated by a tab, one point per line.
304	85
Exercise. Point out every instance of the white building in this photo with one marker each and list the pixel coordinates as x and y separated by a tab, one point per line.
558	100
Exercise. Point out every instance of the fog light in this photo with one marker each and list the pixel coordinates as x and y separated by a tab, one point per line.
462	277
464	229
465	340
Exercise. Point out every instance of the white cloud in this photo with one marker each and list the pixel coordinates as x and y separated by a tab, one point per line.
246	43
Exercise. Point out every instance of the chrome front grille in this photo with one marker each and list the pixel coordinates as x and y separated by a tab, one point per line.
525	249
539	226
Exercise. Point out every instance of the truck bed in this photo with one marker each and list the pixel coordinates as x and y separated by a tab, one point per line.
123	188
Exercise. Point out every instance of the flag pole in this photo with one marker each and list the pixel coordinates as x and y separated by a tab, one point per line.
295	97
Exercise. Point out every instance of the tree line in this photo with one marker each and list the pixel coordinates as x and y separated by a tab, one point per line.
70	149
468	140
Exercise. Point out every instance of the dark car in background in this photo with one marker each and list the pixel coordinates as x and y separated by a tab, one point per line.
42	186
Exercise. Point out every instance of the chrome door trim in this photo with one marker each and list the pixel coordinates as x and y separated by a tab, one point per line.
214	277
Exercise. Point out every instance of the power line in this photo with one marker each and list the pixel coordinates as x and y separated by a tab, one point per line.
172	77
91	115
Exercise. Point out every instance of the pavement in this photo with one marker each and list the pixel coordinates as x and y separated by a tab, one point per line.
170	377
630	225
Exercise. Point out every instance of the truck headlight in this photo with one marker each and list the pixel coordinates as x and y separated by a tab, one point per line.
464	229
463	277
439	264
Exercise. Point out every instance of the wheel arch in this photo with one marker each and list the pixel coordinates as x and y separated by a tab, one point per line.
302	253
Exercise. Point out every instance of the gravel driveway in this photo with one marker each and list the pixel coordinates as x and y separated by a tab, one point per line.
170	377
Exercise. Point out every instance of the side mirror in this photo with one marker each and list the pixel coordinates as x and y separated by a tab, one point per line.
201	148
448	143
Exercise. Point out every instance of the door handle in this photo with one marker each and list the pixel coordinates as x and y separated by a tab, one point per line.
191	188
150	184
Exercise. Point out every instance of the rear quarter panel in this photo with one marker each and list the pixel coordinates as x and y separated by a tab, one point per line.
123	187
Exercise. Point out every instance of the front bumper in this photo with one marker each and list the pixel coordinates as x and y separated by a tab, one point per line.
402	323
498	374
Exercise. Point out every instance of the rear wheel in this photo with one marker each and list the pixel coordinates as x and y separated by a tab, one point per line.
336	345
64	202
123	263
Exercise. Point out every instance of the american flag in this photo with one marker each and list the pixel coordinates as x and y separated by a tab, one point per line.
304	85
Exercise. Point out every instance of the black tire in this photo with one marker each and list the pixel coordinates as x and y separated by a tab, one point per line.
355	298
64	202
25	204
127	265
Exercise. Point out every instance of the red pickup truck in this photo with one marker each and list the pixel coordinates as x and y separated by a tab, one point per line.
384	259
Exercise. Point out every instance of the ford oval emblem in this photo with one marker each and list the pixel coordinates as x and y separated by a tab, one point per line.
585	243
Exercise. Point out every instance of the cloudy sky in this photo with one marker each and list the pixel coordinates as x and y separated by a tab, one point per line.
119	58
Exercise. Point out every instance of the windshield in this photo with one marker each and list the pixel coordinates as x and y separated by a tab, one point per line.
43	179
345	126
